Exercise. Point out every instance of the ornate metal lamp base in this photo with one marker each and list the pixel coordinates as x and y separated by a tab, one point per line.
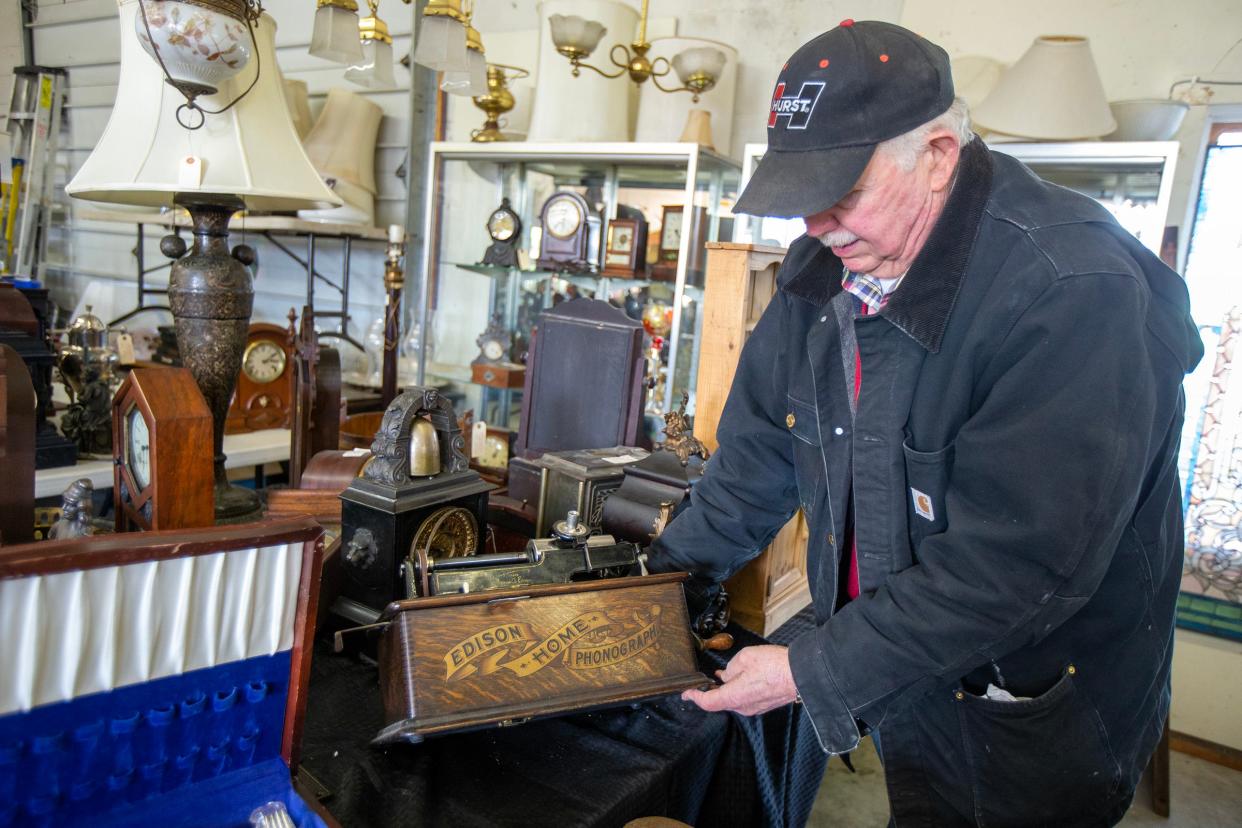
211	295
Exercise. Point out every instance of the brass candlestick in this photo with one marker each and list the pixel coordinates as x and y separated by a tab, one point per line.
497	101
394	281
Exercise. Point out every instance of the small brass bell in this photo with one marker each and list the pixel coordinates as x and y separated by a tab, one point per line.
424	449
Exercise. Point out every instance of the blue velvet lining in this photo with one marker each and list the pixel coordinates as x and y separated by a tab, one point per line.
77	761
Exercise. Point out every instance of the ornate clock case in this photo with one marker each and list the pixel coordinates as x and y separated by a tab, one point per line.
571	229
504	226
388	512
163	473
264	394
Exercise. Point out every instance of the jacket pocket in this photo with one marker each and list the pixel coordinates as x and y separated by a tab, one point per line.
927	479
1035	761
803	424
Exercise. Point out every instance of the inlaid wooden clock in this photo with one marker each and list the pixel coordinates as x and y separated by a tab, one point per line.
625	254
675	223
162	452
264	394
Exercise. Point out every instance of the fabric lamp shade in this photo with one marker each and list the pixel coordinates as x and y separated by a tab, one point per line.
1053	93
250	151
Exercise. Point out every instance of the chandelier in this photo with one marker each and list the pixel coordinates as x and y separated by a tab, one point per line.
576	38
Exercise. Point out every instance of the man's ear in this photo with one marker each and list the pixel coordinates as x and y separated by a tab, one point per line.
944	150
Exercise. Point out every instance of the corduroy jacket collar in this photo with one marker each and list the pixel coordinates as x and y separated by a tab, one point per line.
921	305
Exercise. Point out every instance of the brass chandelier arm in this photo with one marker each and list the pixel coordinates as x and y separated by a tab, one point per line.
578	64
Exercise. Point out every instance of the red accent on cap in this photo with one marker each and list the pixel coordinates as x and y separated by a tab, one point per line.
849	21
823	64
883	58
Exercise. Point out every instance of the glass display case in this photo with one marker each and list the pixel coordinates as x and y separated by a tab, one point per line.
679	192
1132	179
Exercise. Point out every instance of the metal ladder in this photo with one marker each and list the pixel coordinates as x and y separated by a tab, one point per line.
34	125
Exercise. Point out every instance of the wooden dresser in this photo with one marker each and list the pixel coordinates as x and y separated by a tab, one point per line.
741	280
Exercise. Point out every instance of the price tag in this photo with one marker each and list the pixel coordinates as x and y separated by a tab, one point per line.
478	440
190	172
125	349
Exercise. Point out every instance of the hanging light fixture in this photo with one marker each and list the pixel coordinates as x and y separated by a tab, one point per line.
441	42
374	71
199	46
576	38
472	81
335	36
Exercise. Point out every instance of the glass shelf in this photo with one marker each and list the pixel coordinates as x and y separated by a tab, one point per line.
589	281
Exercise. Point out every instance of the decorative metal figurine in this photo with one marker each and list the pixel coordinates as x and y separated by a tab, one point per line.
679	436
75	511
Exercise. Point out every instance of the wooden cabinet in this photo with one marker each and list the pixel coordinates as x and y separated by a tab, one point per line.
741	280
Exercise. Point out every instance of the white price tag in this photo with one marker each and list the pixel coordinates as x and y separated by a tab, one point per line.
478	440
190	172
125	349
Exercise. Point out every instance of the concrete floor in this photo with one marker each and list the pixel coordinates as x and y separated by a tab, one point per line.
1203	795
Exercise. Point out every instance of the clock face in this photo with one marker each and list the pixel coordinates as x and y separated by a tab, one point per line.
138	448
449	532
493	349
501	225
670	233
264	361
622	239
562	218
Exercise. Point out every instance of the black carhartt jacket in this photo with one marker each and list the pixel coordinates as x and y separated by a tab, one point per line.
1012	465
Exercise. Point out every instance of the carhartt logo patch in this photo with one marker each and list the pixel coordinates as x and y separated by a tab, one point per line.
796	109
922	504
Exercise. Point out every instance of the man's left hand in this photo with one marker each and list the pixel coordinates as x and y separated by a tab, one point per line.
756	680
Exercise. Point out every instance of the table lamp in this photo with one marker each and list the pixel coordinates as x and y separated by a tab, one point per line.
213	147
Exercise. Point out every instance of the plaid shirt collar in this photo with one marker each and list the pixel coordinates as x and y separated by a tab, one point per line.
869	290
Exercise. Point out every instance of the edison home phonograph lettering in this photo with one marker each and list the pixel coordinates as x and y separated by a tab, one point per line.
582	643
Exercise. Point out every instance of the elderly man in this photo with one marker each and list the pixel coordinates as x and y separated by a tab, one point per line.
969	381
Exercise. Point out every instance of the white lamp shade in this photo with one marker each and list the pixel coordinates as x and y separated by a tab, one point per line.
1147	119
297	99
251	150
472	82
375	69
661	116
335	36
441	44
1053	93
588	107
341	144
576	32
974	78
706	60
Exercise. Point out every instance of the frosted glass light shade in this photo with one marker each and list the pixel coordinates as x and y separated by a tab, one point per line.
701	61
251	150
441	44
184	34
375	69
471	83
569	31
335	37
1053	93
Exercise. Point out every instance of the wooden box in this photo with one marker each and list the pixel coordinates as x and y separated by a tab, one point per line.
156	679
741	280
458	662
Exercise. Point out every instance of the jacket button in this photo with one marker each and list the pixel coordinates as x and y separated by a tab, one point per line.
838	431
832	539
790	419
1071	669
959	695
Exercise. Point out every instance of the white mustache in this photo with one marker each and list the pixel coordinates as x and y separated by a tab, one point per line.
837	238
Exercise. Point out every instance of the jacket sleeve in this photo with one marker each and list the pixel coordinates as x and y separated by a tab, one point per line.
748	489
1045	476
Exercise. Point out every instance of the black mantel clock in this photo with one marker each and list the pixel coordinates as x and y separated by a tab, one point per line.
571	234
505	228
397	508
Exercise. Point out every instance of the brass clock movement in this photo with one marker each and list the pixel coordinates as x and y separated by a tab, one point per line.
264	393
162	452
571	229
505	228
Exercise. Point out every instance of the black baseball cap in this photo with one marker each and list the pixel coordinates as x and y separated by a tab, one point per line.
839	96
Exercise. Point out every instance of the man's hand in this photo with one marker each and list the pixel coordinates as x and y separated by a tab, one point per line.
757	680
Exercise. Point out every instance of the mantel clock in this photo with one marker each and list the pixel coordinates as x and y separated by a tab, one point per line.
264	393
162	452
570	239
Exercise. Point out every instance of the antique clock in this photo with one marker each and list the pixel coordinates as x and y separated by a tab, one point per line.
505	228
493	366
17	449
625	252
163	475
263	397
417	495
674	223
570	239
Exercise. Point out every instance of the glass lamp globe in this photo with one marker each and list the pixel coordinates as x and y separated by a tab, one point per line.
471	83
441	44
335	36
200	47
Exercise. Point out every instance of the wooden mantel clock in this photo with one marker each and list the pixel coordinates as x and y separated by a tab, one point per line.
264	394
162	452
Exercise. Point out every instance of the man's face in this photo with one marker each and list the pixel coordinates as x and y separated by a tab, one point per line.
879	226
